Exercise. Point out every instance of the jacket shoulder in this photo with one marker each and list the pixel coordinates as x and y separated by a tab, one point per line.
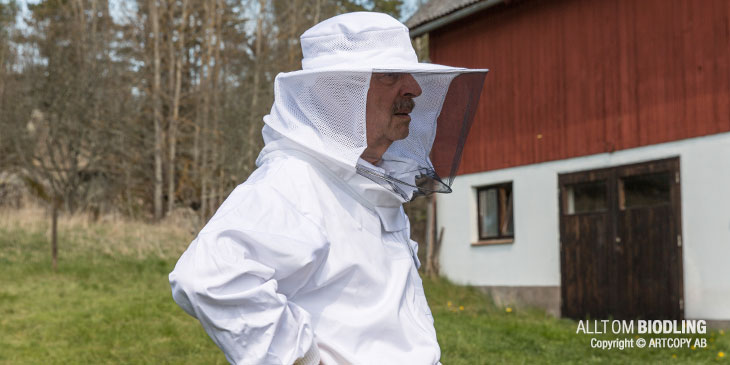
277	194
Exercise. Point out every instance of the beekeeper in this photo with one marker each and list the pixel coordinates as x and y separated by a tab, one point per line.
310	260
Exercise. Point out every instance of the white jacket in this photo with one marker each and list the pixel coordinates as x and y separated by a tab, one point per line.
308	256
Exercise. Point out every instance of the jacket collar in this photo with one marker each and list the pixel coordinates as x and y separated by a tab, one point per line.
373	196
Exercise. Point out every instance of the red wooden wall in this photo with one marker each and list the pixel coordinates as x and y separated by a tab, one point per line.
578	77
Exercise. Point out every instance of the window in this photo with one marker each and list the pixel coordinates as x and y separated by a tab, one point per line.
585	197
645	190
494	206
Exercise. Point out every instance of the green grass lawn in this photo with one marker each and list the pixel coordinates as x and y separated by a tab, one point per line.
109	302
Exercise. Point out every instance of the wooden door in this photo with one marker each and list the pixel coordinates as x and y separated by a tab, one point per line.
648	250
620	242
585	229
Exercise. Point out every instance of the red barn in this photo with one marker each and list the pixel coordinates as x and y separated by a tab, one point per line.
596	178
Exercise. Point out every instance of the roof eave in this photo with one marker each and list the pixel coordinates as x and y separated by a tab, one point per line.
450	18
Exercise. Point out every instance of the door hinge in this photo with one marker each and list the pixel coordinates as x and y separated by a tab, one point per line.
679	240
681	304
676	177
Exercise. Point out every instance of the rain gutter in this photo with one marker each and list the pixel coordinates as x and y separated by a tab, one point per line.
457	15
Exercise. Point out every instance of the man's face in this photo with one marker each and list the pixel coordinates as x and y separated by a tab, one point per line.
390	100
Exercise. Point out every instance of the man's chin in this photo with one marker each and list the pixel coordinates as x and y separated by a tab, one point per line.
401	124
402	133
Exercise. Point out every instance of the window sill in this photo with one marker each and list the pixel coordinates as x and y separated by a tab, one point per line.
496	241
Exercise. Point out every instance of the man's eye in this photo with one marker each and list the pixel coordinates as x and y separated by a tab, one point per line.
388	78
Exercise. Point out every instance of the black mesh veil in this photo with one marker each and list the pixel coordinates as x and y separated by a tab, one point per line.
428	159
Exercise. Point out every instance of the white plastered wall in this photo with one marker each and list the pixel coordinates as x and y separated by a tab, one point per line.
533	259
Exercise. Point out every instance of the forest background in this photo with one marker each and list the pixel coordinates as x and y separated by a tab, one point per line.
146	109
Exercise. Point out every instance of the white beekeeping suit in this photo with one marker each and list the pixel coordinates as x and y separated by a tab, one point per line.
310	260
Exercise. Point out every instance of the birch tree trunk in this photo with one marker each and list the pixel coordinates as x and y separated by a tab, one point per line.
204	88
293	47
172	131
156	112
215	115
219	106
253	123
317	11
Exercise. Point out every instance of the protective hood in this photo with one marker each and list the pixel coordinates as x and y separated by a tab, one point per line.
323	106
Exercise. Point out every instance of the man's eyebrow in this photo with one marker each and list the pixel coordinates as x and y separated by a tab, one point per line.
381	75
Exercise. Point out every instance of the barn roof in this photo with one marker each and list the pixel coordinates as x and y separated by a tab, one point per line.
437	13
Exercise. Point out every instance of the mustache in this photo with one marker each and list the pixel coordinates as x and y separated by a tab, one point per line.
404	105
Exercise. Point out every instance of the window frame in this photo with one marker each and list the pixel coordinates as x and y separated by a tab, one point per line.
500	238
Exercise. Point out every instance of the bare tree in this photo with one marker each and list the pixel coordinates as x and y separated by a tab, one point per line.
59	136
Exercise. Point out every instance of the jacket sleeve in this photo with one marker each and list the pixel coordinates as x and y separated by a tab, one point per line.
237	277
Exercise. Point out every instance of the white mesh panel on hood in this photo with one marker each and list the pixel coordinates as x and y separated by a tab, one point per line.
322	111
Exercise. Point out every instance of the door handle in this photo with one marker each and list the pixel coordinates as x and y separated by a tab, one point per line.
618	247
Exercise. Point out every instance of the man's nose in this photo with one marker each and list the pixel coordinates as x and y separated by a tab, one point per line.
410	86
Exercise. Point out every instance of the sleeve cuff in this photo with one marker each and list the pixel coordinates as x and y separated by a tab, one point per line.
311	357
